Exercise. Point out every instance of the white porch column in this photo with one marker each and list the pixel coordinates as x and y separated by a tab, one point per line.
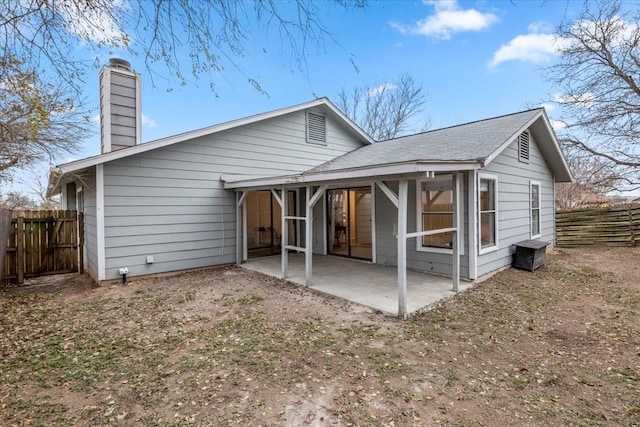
284	239
455	264
241	226
402	248
308	236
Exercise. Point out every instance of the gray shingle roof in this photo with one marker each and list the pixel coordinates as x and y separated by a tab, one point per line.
473	141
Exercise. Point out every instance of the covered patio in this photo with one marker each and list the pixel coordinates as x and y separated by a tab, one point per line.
370	285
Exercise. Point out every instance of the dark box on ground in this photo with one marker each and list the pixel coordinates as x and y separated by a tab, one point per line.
530	254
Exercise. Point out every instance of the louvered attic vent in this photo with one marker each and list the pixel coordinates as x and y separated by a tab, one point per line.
316	129
523	147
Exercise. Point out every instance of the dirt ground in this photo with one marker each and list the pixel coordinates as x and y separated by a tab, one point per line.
560	346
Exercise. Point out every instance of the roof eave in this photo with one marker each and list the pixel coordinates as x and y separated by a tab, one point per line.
372	173
170	140
560	168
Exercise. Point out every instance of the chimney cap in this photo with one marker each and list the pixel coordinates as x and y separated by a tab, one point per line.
120	63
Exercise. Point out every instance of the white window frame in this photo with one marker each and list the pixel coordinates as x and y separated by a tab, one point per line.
79	190
494	178
531	185
459	215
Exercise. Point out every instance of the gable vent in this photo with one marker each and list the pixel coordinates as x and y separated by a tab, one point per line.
523	147
316	128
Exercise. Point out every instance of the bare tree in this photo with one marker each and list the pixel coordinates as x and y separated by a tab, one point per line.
37	120
37	184
46	46
593	179
16	201
386	110
188	38
599	75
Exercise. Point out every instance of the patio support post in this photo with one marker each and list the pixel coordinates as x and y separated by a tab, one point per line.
402	248
241	227
308	239
284	238
455	264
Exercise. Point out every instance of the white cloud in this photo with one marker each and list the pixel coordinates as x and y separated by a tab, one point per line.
548	106
558	124
95	24
379	89
449	18
540	27
587	99
148	122
532	47
621	31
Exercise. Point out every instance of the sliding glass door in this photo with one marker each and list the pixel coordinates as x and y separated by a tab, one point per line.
350	214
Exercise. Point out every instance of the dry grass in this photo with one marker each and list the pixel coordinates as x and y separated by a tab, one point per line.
229	347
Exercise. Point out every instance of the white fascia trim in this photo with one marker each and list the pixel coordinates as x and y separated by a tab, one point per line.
482	251
511	138
160	143
373	173
100	222
556	144
354	126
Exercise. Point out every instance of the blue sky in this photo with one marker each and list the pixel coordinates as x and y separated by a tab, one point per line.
459	52
475	59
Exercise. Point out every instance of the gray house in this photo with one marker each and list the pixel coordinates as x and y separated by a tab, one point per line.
450	201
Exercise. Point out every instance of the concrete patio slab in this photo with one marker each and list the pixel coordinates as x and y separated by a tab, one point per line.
371	285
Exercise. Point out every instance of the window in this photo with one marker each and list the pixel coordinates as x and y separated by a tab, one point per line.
436	200
523	147
316	128
435	210
79	200
488	200
535	209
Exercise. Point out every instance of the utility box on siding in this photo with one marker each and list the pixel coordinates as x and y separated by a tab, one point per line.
530	254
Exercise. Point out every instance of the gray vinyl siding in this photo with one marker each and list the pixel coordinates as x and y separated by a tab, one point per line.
90	222
386	242
170	202
514	221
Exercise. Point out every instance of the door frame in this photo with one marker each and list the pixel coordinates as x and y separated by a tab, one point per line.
329	215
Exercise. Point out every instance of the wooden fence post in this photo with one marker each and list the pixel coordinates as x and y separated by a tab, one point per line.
5	224
80	228
631	230
20	253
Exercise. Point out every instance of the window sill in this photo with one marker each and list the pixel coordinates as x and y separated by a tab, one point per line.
438	250
536	236
490	249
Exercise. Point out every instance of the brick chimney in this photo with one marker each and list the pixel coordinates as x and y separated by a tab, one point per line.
120	112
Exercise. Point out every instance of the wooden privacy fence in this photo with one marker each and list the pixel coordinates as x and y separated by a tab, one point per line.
613	226
41	243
